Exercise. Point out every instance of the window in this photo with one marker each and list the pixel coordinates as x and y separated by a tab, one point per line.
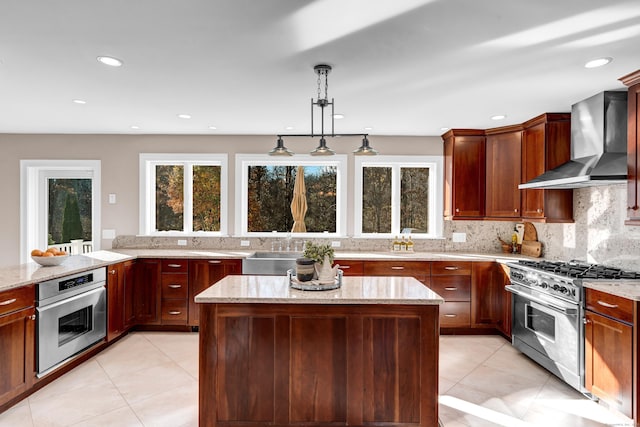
183	193
60	203
398	195
267	204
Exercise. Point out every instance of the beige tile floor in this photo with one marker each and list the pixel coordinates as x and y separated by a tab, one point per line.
150	379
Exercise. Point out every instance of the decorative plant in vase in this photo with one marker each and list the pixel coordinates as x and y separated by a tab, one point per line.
322	255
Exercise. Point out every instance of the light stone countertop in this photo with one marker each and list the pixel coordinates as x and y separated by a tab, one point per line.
25	274
354	290
626	289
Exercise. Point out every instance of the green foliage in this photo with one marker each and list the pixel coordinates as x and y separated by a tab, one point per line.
71	225
59	189
317	252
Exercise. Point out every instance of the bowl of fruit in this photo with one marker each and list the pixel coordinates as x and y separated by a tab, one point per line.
50	257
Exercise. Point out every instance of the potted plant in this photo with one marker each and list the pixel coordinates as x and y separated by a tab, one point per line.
322	255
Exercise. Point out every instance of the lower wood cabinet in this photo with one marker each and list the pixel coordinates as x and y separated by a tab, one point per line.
351	267
421	270
17	338
452	281
487	290
609	355
120	305
204	273
174	286
146	292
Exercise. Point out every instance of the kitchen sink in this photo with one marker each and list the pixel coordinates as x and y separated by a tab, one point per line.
270	263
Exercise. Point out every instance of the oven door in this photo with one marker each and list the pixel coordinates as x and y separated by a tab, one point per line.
69	326
548	330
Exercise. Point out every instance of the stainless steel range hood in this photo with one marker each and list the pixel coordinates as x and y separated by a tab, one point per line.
598	145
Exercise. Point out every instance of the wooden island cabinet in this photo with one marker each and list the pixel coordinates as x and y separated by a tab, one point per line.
270	355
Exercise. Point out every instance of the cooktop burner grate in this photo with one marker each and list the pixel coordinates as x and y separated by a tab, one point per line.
577	270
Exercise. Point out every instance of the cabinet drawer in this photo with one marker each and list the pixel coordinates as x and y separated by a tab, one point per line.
417	269
351	267
609	305
450	268
174	285
17	299
452	288
175	266
174	311
455	315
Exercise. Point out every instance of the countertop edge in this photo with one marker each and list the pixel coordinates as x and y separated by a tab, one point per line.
629	290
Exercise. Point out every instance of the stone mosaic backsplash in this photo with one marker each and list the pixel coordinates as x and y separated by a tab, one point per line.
598	235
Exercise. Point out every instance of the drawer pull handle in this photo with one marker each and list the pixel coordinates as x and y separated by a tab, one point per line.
9	301
174	265
397	268
215	261
175	286
450	288
452	267
450	315
344	267
606	304
174	312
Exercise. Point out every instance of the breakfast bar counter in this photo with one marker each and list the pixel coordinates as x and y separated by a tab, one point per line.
363	354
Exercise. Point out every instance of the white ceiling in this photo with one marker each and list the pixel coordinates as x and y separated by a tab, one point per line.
402	67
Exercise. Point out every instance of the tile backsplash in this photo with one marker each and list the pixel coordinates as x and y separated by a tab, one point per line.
598	235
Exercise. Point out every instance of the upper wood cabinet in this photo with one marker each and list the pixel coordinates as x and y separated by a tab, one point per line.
546	143
503	157
633	144
464	174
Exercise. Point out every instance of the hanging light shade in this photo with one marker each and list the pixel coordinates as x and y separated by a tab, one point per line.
280	149
322	102
365	149
322	149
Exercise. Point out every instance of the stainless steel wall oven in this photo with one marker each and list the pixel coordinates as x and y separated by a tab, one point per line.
71	316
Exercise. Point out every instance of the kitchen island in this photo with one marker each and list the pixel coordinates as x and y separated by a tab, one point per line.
364	354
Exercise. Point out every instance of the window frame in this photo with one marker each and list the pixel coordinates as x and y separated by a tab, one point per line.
243	161
434	163
148	162
34	199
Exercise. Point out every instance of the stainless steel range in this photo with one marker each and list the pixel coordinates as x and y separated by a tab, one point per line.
548	312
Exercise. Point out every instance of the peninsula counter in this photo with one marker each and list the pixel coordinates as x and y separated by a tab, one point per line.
362	355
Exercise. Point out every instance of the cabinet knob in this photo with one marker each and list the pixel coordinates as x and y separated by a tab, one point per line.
112	271
457	210
32	317
539	210
516	210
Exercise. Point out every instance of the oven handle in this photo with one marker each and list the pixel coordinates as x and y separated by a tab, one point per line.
564	310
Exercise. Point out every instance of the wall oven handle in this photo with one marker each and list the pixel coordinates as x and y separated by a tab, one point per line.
606	304
546	303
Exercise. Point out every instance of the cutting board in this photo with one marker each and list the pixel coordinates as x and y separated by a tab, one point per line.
531	248
530	232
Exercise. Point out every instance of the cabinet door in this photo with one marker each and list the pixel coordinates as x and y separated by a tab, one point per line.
609	361
464	167
533	149
633	156
503	174
128	294
17	353
487	287
204	273
115	313
146	292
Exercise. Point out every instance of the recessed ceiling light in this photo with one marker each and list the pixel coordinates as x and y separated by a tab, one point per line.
79	101
599	62
338	116
368	128
213	127
110	61
499	117
184	116
135	127
289	128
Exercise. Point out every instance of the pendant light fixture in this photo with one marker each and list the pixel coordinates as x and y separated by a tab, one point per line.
322	102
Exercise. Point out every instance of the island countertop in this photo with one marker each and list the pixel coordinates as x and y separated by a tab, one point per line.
354	290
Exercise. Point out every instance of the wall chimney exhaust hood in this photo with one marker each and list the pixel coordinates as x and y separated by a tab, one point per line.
598	145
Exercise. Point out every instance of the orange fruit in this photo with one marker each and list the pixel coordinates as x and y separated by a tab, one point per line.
52	250
36	252
61	253
47	254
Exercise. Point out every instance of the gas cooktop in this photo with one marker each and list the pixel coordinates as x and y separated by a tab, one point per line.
580	270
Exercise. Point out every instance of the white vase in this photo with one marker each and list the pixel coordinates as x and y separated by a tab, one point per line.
324	271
